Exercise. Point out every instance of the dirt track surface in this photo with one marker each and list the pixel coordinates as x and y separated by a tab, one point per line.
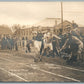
20	67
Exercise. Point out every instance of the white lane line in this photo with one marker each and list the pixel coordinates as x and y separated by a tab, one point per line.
73	69
7	59
46	71
10	72
59	75
64	66
54	74
69	68
13	74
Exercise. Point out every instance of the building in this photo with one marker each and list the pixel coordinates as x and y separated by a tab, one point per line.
23	36
67	26
48	24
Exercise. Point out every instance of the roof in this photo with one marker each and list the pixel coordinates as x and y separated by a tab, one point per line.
48	22
5	30
65	24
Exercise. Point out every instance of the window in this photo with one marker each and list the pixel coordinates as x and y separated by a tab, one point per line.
26	38
22	38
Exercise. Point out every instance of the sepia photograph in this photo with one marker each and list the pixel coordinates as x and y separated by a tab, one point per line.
42	41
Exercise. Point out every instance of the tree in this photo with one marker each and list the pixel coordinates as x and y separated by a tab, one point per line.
16	27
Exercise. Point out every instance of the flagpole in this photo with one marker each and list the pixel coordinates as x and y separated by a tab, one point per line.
62	16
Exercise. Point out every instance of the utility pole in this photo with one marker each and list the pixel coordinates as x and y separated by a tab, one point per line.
62	16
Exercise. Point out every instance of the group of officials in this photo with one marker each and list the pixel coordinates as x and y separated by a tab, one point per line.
8	43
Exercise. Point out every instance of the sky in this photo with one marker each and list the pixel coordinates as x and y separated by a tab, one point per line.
29	13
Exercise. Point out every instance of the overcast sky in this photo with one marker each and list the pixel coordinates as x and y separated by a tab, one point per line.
32	12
